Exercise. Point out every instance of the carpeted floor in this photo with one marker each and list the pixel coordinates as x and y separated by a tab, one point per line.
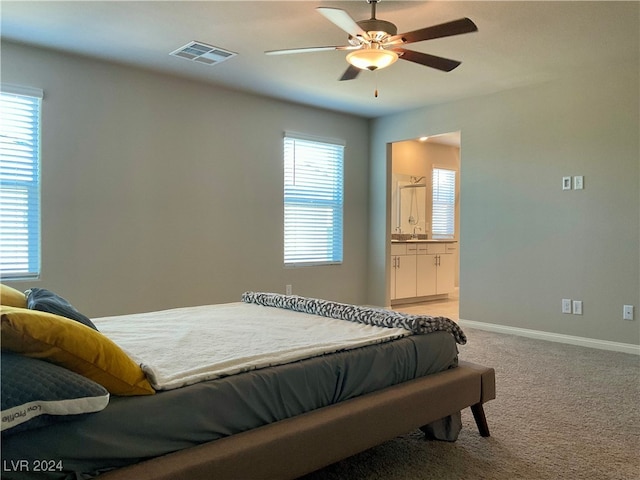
561	412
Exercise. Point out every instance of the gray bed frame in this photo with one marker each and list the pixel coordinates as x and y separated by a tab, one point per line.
299	445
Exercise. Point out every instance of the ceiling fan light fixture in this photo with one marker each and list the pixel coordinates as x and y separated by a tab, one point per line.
372	58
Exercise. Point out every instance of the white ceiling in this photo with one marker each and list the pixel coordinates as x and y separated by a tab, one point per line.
518	43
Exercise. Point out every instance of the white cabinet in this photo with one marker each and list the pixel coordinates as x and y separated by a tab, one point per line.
403	271
422	269
436	269
426	273
446	275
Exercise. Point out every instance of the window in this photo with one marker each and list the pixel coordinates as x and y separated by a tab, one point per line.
19	182
444	203
313	200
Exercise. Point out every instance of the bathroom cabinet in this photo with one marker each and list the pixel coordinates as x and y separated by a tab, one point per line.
403	271
422	269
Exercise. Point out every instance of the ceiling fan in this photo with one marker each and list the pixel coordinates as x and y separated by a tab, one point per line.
376	44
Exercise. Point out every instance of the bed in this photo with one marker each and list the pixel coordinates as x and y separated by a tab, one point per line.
279	415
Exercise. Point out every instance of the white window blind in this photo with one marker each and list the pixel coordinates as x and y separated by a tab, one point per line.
19	182
444	203
313	201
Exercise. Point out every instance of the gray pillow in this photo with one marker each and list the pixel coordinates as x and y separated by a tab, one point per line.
46	301
36	393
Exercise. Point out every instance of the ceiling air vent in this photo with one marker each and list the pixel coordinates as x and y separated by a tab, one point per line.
203	53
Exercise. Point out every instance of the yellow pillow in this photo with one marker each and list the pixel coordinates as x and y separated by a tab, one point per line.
74	346
11	297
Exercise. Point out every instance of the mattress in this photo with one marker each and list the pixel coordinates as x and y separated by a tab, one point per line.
188	345
132	429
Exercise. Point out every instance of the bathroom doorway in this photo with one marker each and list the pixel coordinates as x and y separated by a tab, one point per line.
423	158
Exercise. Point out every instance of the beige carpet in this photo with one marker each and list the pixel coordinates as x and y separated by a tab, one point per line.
561	412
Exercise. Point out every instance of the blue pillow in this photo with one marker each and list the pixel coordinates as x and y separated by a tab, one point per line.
46	301
36	393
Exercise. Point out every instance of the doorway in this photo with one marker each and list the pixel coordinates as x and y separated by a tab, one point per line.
418	158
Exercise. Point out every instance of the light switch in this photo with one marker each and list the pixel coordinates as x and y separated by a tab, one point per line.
578	182
566	183
577	307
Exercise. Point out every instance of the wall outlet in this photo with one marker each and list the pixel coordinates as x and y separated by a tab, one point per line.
577	307
566	305
627	312
288	289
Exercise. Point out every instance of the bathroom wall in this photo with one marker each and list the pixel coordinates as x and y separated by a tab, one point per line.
417	158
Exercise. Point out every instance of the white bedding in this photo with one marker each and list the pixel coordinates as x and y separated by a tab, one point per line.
189	345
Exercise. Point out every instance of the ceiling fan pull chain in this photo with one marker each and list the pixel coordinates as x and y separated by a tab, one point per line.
375	74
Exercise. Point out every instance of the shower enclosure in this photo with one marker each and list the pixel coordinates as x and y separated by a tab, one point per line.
410	200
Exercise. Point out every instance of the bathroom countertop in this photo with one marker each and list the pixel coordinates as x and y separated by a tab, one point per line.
420	240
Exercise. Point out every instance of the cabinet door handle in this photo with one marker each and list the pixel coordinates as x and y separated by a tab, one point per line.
398	262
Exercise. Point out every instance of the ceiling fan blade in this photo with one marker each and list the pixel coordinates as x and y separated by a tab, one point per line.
439	63
455	27
310	49
343	20
350	73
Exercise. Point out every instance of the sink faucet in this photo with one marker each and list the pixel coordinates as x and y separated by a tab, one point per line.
415	235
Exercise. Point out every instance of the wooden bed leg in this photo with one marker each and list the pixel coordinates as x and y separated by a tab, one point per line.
481	419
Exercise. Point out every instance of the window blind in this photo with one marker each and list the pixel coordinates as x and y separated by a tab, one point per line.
19	182
313	201
444	203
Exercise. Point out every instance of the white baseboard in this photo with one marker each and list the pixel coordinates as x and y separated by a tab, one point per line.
553	337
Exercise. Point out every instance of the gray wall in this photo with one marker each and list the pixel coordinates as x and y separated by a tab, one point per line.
159	192
525	243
